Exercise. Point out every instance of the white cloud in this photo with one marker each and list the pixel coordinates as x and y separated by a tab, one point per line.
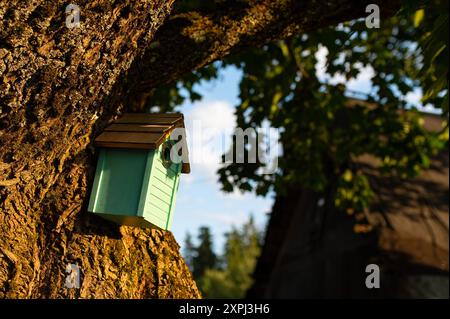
213	114
209	125
362	83
414	97
321	56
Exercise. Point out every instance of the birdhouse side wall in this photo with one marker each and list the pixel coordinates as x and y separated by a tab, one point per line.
161	192
172	206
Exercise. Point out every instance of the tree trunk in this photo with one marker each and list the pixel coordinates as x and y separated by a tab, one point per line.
59	87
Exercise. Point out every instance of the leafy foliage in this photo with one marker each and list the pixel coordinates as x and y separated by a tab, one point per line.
324	130
189	251
167	98
202	256
231	276
431	18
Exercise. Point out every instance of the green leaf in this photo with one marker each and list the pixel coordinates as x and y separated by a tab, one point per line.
418	17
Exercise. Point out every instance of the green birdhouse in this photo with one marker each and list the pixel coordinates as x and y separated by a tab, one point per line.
137	178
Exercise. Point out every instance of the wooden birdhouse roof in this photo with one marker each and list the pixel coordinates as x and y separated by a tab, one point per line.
141	131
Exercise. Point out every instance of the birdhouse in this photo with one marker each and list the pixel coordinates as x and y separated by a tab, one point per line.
137	178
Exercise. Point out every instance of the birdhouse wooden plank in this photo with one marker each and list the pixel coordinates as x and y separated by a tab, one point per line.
136	182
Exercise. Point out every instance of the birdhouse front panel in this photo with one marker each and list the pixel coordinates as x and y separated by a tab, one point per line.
118	181
136	181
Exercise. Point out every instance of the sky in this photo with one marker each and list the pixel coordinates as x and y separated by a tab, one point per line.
200	202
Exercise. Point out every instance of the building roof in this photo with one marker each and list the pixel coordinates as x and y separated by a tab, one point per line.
412	215
141	131
410	219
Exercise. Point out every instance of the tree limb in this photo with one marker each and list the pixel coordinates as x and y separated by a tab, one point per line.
190	40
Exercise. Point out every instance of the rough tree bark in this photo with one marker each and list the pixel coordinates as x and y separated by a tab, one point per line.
59	87
55	85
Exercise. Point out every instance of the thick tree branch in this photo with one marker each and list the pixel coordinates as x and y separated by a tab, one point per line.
190	40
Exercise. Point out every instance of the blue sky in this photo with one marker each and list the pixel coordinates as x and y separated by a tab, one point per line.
200	202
